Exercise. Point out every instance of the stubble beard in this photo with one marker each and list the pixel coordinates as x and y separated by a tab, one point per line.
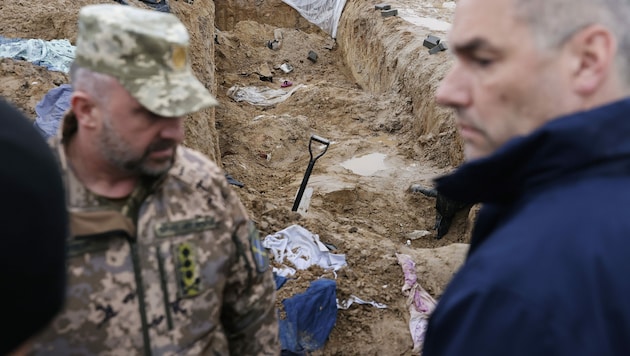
121	155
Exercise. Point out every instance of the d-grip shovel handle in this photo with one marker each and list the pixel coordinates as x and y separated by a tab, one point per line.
320	140
309	169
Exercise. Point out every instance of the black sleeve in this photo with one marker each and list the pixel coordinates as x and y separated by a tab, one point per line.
489	323
33	220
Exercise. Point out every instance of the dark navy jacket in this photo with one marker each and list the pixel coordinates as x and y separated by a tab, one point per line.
548	271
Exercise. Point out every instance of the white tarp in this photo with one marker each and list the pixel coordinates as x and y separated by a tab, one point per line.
303	249
323	13
260	96
56	55
346	303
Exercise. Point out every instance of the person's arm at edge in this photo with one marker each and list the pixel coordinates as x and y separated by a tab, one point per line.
488	321
249	313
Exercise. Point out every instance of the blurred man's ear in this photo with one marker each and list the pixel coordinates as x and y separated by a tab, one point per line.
592	51
84	108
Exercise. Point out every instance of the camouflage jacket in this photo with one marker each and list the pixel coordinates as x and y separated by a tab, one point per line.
179	269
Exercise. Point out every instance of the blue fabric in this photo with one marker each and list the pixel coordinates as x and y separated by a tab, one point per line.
547	270
233	181
310	317
51	109
280	280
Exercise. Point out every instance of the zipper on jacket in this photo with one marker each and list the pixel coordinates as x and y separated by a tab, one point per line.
167	309
140	290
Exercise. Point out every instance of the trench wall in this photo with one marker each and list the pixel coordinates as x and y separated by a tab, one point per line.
386	55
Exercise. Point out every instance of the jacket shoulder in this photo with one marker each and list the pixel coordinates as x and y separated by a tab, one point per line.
196	169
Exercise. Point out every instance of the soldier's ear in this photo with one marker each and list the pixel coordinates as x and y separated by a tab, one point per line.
85	109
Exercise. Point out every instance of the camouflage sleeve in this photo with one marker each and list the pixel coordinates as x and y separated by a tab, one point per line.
249	312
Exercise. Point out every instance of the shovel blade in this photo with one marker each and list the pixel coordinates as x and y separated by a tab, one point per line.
305	201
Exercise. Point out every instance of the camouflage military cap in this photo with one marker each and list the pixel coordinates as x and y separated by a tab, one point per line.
147	51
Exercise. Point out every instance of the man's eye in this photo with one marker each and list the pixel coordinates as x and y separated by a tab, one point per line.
482	62
152	117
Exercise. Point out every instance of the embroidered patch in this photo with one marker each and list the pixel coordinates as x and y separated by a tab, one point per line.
77	247
259	253
187	270
179	57
183	227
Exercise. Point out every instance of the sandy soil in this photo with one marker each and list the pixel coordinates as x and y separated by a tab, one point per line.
381	108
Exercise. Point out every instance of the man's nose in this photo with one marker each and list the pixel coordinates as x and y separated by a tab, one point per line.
453	90
173	129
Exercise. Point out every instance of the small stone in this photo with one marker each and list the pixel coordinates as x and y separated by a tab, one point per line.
312	56
388	13
431	41
440	47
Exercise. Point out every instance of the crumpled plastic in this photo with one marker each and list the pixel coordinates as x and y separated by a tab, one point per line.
303	249
56	55
346	303
323	13
419	302
260	96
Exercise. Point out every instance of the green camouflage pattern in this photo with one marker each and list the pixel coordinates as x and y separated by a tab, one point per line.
147	51
202	289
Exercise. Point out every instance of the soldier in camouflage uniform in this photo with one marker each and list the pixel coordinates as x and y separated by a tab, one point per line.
162	259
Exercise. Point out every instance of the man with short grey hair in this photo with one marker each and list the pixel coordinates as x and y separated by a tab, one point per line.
541	100
162	258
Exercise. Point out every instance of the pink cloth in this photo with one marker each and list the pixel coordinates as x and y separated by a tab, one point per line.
419	302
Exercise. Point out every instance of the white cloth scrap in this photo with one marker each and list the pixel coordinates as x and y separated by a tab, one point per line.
303	249
346	303
261	96
286	271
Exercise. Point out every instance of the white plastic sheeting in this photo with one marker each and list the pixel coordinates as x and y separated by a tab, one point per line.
260	96
346	303
56	55
303	249
323	13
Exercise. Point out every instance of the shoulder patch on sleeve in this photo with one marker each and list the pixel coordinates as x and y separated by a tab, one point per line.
259	253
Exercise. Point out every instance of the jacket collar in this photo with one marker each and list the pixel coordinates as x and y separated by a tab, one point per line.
578	143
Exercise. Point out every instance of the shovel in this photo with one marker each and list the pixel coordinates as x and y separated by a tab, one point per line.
309	169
